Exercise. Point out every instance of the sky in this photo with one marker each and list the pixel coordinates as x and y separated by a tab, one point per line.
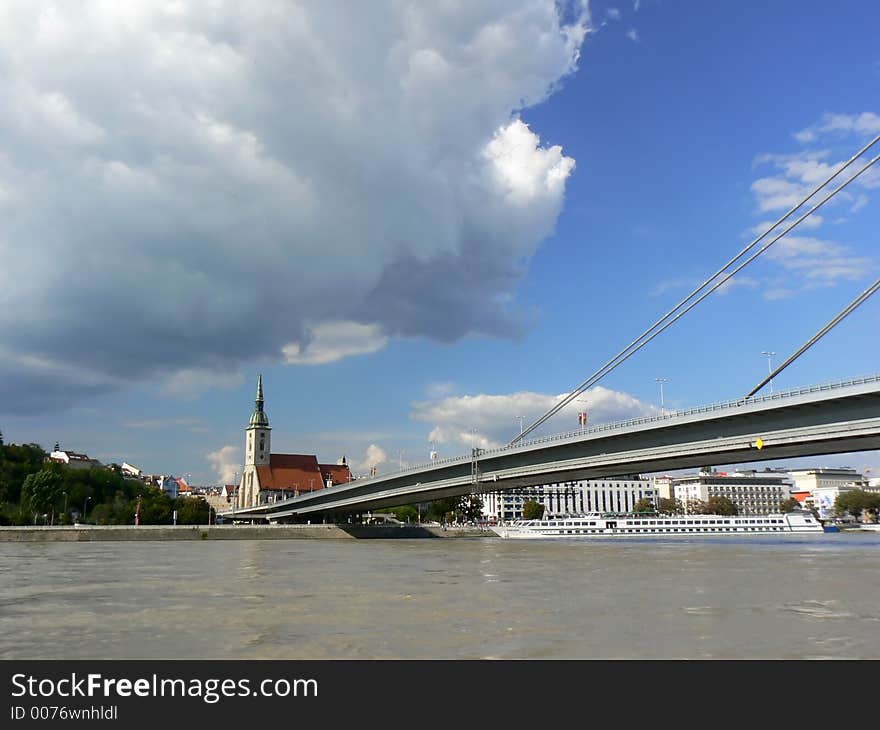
422	223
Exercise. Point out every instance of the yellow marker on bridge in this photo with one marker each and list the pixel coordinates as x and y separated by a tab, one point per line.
759	444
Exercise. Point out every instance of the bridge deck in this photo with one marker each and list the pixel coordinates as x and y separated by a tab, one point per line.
820	419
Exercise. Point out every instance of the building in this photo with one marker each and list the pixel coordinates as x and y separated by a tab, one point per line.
809	480
823	498
129	470
663	485
183	488
73	460
753	493
169	485
269	477
824	485
593	495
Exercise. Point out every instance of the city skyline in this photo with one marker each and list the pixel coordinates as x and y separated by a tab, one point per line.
423	230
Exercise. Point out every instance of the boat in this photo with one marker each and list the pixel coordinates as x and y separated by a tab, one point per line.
610	525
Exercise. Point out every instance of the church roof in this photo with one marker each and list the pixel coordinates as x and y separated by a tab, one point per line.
339	473
291	471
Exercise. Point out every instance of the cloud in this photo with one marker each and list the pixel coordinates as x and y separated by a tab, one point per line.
226	463
861	202
373	456
212	183
814	221
190	383
613	14
866	124
777	293
190	423
440	389
489	421
815	262
796	175
518	179
332	341
674	284
633	35
739	280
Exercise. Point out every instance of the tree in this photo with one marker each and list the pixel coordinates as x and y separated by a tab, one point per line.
406	513
41	491
444	510
719	505
789	505
532	510
670	506
644	505
472	507
856	501
16	462
695	507
192	510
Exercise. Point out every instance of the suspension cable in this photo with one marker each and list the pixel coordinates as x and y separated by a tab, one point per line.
640	341
827	328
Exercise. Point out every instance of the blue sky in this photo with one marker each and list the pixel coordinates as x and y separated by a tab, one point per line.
417	224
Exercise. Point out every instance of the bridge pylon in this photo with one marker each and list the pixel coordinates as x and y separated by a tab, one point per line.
476	451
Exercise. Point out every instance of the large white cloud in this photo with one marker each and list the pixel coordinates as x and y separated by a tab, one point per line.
226	463
374	456
177	177
491	420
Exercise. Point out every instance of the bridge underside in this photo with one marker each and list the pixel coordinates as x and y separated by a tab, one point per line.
624	468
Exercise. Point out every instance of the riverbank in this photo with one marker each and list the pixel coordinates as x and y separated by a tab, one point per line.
130	533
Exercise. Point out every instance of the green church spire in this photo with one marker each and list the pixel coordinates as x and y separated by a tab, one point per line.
258	418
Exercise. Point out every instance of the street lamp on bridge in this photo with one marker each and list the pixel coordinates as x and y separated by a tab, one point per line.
769	354
661	381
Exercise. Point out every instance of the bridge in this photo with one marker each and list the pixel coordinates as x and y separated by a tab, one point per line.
809	421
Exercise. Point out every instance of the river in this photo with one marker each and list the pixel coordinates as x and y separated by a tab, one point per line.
755	597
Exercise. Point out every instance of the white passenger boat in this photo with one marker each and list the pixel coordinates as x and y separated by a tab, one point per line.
589	526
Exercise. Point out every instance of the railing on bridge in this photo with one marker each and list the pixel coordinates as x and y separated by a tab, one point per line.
720	406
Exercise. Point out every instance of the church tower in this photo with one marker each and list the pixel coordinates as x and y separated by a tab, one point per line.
258	437
257	452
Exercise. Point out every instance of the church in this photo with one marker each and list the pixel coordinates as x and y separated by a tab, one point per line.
269	477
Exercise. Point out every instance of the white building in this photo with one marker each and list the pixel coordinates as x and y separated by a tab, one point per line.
73	460
809	480
130	470
753	493
825	485
595	495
